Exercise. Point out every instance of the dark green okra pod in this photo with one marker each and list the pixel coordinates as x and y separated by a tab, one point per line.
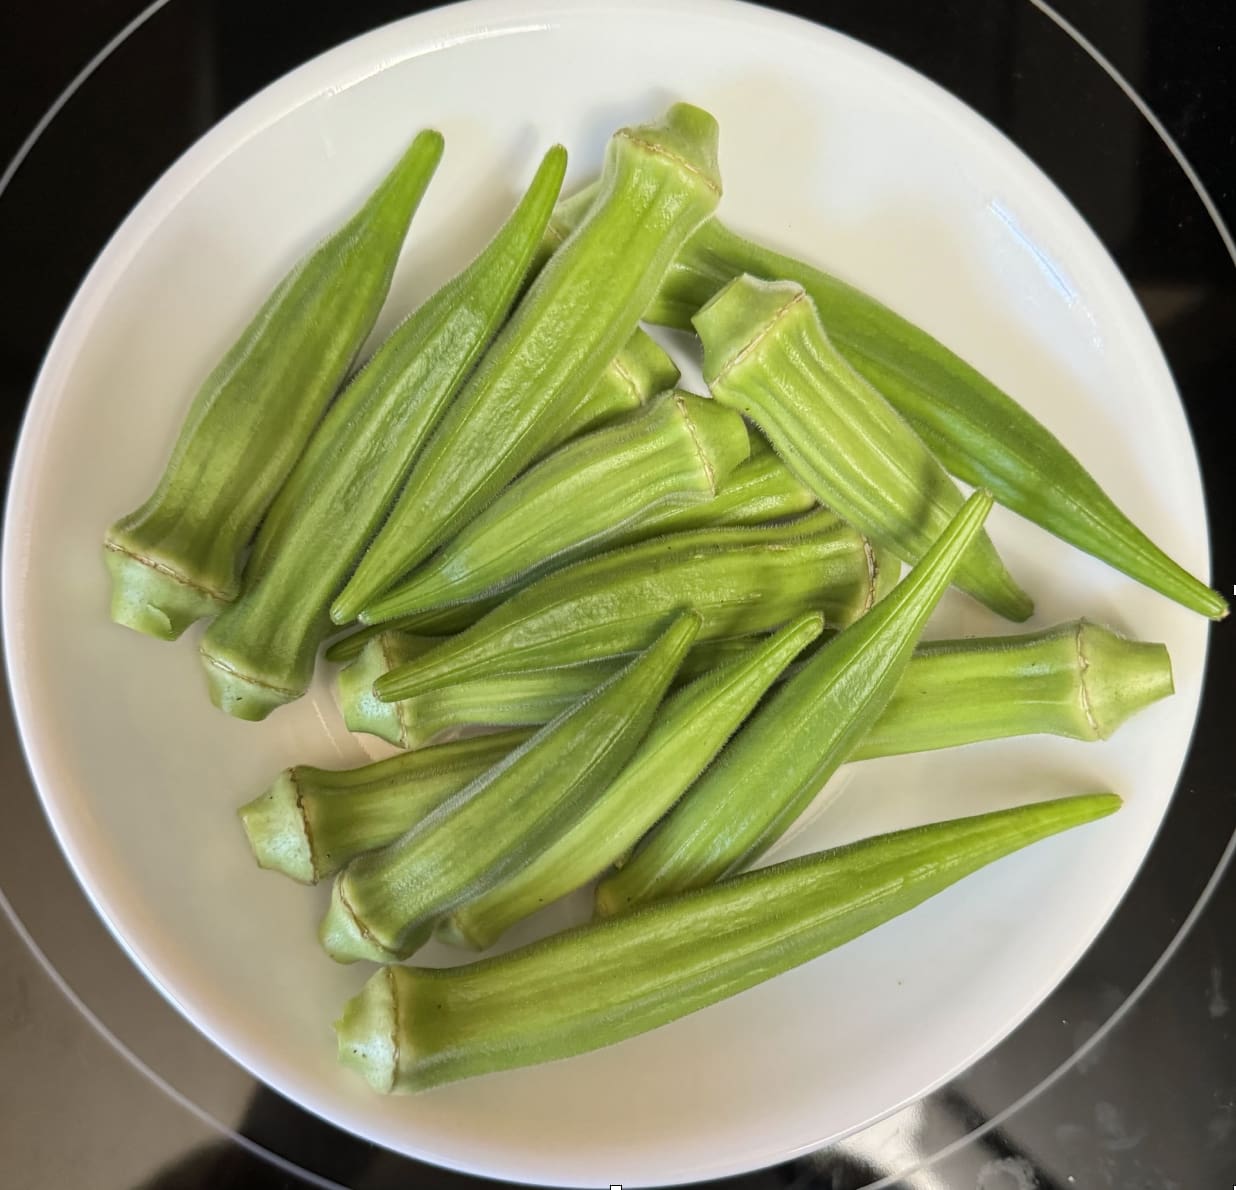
673	453
530	698
384	903
779	760
413	1028
974	428
689	731
178	557
740	581
260	652
660	181
1077	679
312	821
766	355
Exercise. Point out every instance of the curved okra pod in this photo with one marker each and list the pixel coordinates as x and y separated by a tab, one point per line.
740	581
384	903
634	376
312	821
413	1028
177	557
980	434
766	355
441	621
660	181
530	698
673	453
779	760
689	731
1077	679
260	652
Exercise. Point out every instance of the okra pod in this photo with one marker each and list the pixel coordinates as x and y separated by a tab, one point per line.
779	760
260	652
530	698
640	370
689	731
412	1028
178	557
659	183
980	434
1077	679
740	581
673	453
384	903
766	355
312	821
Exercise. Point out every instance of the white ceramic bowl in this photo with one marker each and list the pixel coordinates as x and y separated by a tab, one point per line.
829	149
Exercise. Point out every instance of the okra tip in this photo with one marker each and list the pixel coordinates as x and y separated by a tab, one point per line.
243	696
686	136
278	833
366	1032
1118	677
150	598
735	319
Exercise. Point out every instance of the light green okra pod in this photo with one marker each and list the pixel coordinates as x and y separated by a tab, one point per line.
660	181
974	428
178	557
776	764
766	355
741	581
1077	679
312	821
384	904
673	453
689	731
530	698
260	652
412	1028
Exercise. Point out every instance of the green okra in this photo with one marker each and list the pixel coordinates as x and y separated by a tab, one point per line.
974	428
1077	679
441	621
766	355
178	557
689	731
384	903
312	821
413	1028
660	181
760	490
673	453
776	764
741	581
260	652
637	373
530	698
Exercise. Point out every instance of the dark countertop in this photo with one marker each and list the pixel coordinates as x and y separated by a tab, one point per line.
1152	1106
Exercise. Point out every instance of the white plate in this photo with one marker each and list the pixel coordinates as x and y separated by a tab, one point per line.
829	149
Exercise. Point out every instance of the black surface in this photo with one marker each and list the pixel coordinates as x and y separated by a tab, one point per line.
1154	1106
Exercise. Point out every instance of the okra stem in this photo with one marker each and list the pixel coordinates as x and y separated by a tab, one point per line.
689	731
779	760
312	821
384	903
413	1028
177	558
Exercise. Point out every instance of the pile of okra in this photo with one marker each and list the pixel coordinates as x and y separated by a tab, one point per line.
619	630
